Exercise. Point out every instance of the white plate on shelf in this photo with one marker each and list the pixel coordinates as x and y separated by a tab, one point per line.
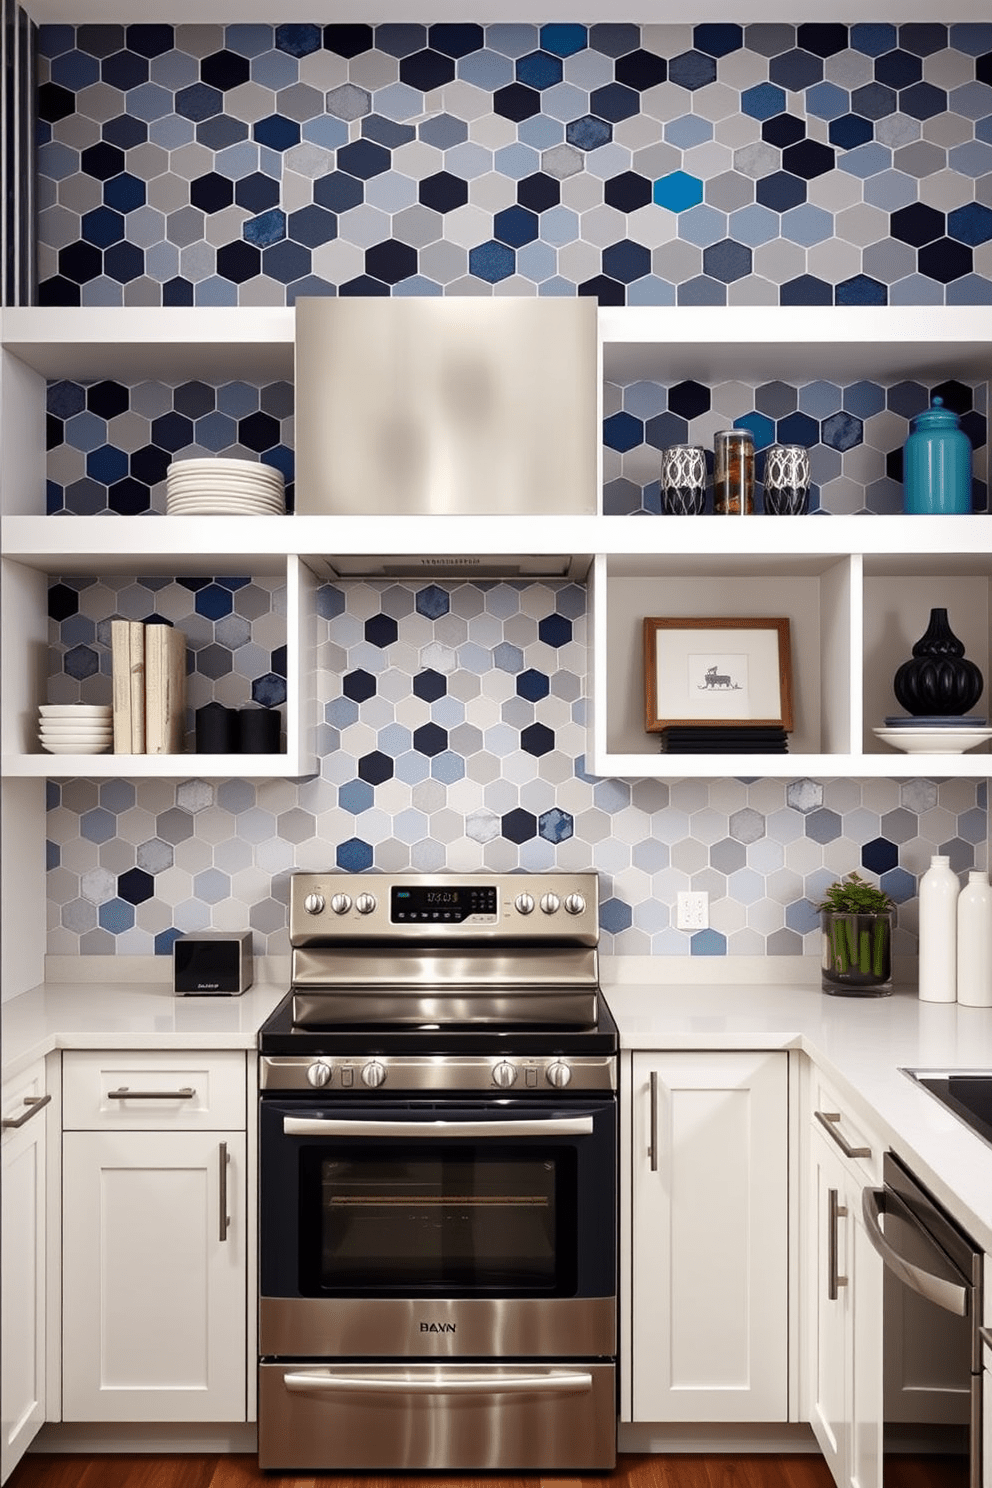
81	712
75	731
206	509
226	499
933	740
76	746
217	462
218	483
248	475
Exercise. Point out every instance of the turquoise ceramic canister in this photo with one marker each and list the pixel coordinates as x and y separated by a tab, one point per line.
936	463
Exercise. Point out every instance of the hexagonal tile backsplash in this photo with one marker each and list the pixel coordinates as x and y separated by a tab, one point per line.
699	165
453	739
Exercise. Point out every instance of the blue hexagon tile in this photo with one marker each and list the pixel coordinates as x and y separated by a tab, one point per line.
452	739
854	432
234	625
110	445
717	164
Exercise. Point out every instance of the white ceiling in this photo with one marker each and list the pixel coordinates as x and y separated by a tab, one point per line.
644	12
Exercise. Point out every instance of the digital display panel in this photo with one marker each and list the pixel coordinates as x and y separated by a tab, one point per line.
442	904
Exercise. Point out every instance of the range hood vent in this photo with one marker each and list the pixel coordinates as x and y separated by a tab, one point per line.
494	566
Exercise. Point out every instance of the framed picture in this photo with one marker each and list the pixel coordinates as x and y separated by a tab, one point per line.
722	670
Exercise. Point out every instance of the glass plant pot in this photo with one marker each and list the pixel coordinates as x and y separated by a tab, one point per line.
857	954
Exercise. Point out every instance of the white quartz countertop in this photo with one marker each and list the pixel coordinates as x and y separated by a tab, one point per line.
128	1015
862	1045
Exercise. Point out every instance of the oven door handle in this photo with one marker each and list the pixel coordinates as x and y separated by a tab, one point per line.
556	1126
948	1295
572	1383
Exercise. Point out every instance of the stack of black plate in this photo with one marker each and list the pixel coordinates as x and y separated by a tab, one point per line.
723	739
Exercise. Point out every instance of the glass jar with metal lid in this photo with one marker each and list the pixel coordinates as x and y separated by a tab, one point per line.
733	472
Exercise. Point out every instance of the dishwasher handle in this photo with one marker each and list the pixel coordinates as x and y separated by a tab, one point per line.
951	1296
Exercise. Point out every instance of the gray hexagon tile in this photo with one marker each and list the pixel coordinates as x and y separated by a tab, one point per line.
655	121
449	744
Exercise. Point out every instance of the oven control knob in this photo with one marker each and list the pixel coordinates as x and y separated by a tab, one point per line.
314	904
504	1074
575	904
524	904
365	903
558	1074
373	1074
319	1074
550	903
341	903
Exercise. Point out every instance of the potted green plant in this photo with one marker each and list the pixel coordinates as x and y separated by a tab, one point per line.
857	939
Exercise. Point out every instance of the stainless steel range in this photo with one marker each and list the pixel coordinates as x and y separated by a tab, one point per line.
437	1140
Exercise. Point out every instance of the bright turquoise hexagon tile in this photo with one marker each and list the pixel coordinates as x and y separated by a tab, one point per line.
678	191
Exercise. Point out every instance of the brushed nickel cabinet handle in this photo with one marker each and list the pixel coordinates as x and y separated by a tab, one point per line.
225	1218
828	1120
34	1104
185	1093
835	1211
653	1148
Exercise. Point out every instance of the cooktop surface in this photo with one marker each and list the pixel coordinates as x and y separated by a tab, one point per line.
967	1094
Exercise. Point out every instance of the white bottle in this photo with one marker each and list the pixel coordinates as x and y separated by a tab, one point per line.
939	889
975	942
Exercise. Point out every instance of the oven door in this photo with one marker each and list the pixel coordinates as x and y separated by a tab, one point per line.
423	1228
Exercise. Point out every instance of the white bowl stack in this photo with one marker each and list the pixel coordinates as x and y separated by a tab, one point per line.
222	487
75	728
944	735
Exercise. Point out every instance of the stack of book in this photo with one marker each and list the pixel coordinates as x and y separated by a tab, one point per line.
149	687
723	739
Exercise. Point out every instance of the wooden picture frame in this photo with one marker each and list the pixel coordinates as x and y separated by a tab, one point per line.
719	671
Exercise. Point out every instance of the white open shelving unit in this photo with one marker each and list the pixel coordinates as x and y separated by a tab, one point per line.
854	588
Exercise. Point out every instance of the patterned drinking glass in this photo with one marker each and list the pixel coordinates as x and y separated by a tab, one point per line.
786	480
683	480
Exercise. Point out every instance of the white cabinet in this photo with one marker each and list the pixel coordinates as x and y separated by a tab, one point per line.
708	1323
23	1105
155	1237
844	1306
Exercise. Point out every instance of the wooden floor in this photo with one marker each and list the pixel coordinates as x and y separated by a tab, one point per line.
71	1471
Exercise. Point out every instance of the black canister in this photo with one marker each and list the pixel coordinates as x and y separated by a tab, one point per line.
258	730
216	729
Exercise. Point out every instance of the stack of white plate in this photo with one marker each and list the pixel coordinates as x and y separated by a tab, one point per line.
75	728
933	735
224	487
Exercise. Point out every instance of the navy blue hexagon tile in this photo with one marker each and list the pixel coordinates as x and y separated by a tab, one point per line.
252	164
101	461
234	627
854	433
456	743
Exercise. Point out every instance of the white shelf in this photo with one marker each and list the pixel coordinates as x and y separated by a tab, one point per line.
151	766
890	766
637	545
215	344
716	344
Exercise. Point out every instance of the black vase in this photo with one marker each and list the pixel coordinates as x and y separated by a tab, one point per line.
938	681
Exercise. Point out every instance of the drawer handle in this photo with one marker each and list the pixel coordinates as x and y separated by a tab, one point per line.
829	1120
34	1104
186	1093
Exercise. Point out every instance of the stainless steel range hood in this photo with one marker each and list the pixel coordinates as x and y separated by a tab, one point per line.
467	406
457	566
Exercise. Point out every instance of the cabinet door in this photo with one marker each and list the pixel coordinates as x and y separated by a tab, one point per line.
867	1274
829	1309
709	1237
22	1275
153	1280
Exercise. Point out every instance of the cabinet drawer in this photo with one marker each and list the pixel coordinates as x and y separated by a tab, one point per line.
140	1091
859	1147
20	1096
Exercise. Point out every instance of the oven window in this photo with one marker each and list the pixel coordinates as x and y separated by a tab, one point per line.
450	1222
